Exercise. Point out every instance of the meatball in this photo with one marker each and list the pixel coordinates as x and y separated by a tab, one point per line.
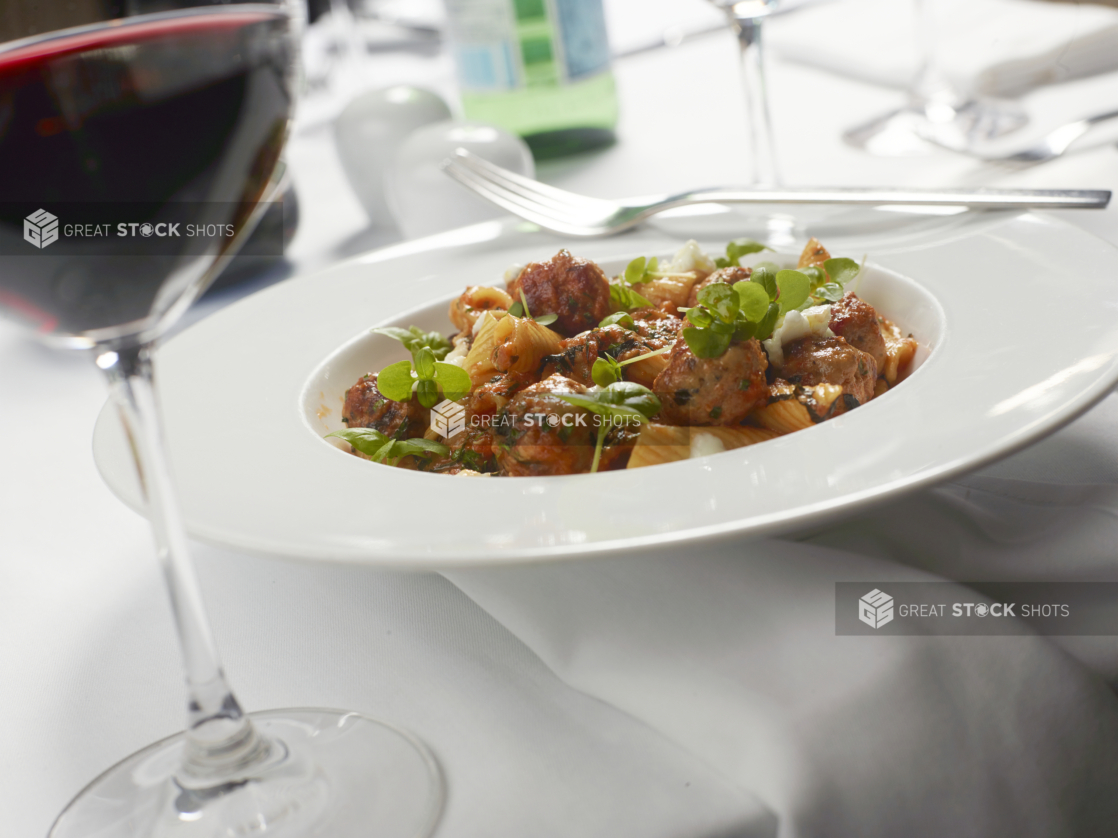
366	407
540	434
817	360
575	290
578	354
657	325
856	321
491	397
473	450
712	391
728	275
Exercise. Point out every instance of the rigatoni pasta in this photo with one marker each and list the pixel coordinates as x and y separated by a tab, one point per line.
568	370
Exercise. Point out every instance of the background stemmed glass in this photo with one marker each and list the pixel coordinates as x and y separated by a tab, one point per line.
936	110
746	18
171	116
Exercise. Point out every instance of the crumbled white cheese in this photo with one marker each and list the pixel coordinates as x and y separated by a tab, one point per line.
477	324
457	355
703	445
795	325
819	317
513	271
690	257
469	472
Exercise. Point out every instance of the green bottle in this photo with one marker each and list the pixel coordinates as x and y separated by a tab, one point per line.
537	68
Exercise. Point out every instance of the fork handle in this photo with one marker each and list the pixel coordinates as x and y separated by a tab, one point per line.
975	198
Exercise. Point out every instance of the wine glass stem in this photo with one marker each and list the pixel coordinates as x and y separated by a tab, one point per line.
931	83
220	740
761	150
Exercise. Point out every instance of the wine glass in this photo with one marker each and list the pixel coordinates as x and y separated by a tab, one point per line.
137	149
936	110
745	18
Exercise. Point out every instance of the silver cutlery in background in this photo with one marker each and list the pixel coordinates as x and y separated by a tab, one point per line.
578	215
1050	146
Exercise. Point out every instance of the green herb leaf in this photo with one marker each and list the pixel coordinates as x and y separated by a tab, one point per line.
741	247
753	298
766	279
413	338
623	400
425	364
517	309
427	445
454	380
377	446
395	381
706	343
624	297
764	329
720	299
619	318
771	267
816	275
636	270
831	292
605	371
841	270
794	288
700	317
620	399
366	440
427	391
744	330
547	319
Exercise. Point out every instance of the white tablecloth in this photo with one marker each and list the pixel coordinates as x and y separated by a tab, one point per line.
632	720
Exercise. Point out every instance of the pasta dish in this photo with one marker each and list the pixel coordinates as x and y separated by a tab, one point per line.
566	370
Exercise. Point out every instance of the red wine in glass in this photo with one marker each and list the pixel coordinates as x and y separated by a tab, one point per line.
114	137
177	118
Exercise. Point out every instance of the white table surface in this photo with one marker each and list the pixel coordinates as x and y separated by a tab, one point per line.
89	667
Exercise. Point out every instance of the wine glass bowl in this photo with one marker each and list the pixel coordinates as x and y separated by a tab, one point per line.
135	156
937	112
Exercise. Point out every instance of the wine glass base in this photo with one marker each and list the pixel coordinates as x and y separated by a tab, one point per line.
917	129
332	774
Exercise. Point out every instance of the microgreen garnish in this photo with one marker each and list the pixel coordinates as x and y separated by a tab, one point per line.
619	403
748	309
425	376
840	271
638	272
607	370
520	309
794	288
624	297
738	248
413	338
641	270
619	318
381	449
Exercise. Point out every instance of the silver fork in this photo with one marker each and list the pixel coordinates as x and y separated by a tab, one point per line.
578	215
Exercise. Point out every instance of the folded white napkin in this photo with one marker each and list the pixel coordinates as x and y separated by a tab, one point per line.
731	652
986	47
